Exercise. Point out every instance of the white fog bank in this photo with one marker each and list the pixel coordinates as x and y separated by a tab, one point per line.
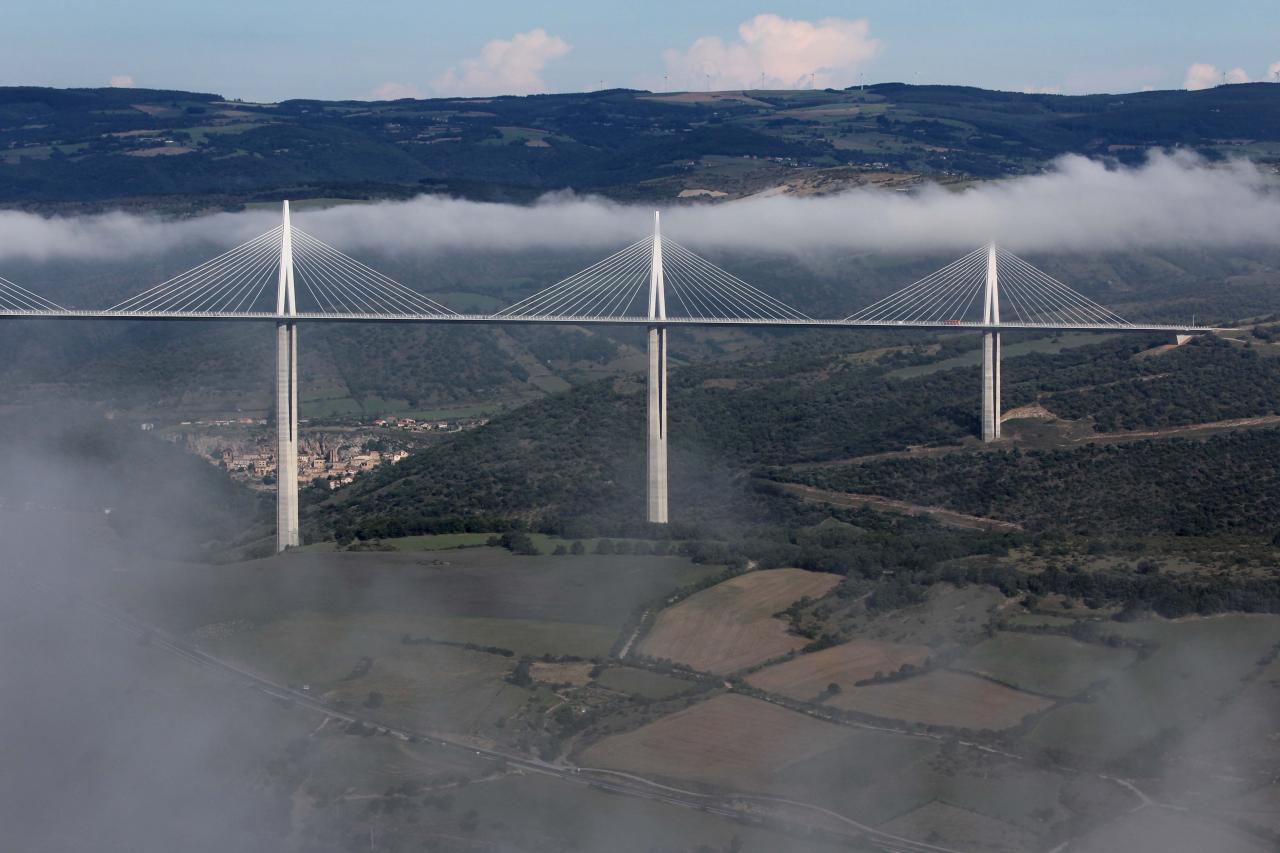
1078	204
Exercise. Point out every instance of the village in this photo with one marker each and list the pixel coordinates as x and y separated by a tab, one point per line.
329	457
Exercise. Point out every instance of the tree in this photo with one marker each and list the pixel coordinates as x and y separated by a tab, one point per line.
577	549
560	551
520	676
519	542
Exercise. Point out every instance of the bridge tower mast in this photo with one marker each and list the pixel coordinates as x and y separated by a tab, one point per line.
287	526
657	333
991	409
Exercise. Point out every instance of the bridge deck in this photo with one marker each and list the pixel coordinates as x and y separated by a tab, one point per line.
263	316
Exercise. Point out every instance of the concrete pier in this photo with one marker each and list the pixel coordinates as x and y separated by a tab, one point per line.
991	409
657	335
287	533
287	525
657	425
990	386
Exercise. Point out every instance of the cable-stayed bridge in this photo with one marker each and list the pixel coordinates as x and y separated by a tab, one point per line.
287	276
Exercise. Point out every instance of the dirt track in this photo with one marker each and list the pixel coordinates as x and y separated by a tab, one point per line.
938	514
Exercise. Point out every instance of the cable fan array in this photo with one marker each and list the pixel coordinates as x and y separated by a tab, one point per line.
618	286
953	294
16	298
244	280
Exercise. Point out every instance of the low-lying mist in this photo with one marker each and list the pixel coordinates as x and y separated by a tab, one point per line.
1076	204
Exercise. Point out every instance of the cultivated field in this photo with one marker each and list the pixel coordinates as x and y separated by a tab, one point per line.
731	625
943	698
651	685
346	659
968	830
1057	666
576	674
487	596
1162	829
1197	664
521	812
729	740
809	675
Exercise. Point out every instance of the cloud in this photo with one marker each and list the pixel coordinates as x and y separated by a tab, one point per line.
1173	201
777	52
1202	75
505	66
1042	90
391	91
1273	71
121	81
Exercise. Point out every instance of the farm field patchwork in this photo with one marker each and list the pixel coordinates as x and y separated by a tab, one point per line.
943	698
809	675
731	625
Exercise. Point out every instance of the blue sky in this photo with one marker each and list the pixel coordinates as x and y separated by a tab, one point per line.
269	50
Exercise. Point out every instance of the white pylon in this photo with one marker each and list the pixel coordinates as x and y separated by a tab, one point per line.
991	349
287	522
657	408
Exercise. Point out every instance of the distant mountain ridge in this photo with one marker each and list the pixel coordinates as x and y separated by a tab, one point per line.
183	149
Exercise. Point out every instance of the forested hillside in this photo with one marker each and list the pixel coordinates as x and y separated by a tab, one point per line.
184	149
581	454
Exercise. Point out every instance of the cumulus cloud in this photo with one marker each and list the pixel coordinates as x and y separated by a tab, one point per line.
1273	72
1079	204
776	52
392	91
505	66
121	81
1202	75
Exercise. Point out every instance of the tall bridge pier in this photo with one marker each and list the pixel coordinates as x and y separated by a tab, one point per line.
287	524
657	407
991	350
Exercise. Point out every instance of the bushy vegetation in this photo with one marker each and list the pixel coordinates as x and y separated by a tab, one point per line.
1175	486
